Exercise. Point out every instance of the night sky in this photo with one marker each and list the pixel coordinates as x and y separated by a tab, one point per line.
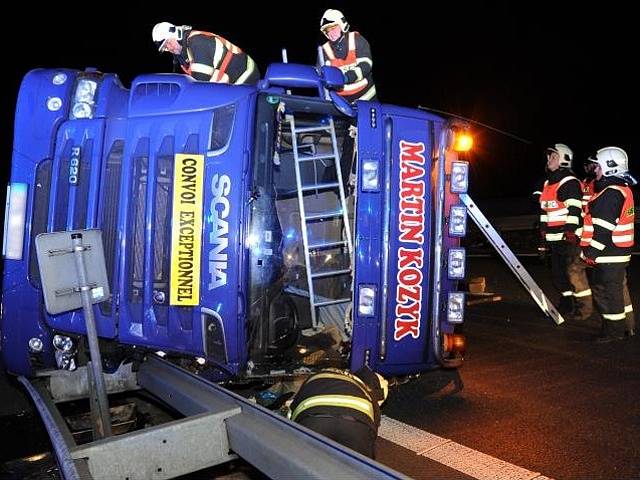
537	71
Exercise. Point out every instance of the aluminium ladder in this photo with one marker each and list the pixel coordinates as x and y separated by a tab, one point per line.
343	240
510	259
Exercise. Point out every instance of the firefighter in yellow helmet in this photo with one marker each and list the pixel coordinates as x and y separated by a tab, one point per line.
205	56
342	406
350	52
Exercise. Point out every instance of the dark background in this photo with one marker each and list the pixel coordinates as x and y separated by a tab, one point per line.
540	71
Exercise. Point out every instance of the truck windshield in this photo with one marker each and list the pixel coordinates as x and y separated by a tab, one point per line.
282	271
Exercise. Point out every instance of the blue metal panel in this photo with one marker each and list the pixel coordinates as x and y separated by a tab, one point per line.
393	250
34	134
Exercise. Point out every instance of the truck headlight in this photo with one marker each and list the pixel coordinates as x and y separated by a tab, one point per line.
456	264
366	300
370	175
458	221
455	307
84	99
459	177
14	220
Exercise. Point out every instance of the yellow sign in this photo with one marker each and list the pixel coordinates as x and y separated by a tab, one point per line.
186	229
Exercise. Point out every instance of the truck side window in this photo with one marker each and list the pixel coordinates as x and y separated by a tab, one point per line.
221	128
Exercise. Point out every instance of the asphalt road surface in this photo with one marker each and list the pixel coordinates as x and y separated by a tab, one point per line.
538	400
533	400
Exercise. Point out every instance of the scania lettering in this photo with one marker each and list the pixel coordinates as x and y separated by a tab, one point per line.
233	242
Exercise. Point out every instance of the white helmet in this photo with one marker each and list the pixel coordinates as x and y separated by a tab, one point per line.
333	17
163	31
566	154
613	161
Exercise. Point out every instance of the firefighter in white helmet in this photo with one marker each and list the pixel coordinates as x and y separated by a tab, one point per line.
342	406
607	240
205	56
561	225
350	52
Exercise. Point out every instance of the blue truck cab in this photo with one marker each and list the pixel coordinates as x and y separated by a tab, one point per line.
236	242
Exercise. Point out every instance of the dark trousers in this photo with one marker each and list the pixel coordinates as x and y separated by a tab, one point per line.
351	433
569	276
611	295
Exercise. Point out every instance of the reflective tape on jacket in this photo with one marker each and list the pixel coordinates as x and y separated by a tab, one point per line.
622	232
222	56
351	60
557	211
344	401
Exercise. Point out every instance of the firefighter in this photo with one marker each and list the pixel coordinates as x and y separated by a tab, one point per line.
607	241
589	182
342	406
560	223
350	52
205	56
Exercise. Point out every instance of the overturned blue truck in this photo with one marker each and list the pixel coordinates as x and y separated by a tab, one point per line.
233	241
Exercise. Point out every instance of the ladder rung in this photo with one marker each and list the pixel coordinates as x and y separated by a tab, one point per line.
318	246
330	273
326	156
318	216
318	128
319	186
332	302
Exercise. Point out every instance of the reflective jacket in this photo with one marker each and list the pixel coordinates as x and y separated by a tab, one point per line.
560	205
351	54
608	234
209	57
335	393
588	190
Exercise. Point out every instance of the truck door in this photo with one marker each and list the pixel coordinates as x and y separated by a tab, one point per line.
393	239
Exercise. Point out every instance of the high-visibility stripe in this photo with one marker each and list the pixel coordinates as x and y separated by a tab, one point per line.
554	237
614	316
578	231
622	238
202	68
346	401
596	244
343	377
370	94
603	223
624	227
544	218
573	202
558	213
350	88
567	293
614	259
251	66
628	309
573	220
583	293
587	228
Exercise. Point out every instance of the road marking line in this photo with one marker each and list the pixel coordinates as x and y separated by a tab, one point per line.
454	455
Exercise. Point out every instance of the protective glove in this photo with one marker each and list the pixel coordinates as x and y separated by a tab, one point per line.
571	238
589	261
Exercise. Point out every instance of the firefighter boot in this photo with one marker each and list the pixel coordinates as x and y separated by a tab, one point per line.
610	332
582	309
566	306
